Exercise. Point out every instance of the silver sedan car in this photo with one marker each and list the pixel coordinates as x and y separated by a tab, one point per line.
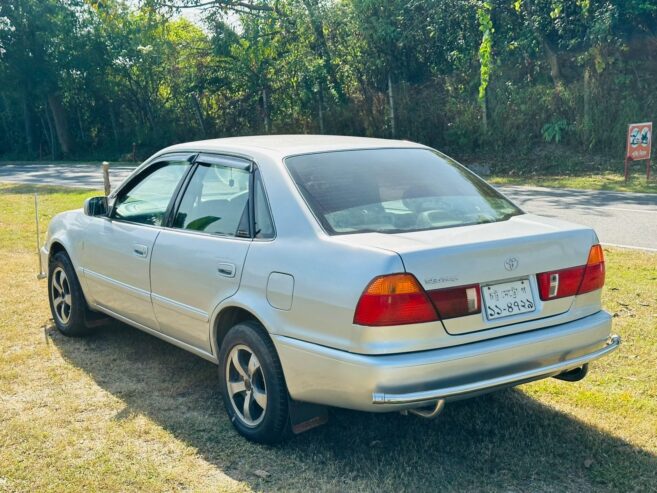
317	271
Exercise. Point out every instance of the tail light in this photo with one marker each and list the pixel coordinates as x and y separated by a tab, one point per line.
594	276
398	299
395	299
457	302
576	280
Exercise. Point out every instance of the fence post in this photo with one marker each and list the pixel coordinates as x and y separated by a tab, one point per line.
106	180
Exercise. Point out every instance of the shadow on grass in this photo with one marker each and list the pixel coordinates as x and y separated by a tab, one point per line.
504	441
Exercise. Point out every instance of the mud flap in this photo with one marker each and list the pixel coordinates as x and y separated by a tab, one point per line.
305	416
94	319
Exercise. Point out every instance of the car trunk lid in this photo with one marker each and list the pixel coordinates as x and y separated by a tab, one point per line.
498	256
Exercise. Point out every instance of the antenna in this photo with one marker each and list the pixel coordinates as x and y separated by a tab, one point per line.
41	274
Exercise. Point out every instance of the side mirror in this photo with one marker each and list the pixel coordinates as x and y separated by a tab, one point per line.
95	206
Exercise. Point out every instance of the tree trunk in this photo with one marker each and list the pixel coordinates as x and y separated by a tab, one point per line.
27	119
553	61
587	104
322	48
46	131
53	143
199	113
265	109
113	123
320	105
149	113
484	112
6	115
61	124
391	101
80	126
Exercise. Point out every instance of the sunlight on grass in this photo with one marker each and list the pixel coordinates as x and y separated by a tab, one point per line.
123	411
606	181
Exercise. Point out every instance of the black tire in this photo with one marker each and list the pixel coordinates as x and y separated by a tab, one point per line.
74	320
272	424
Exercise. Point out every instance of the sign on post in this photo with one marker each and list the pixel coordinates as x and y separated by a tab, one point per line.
639	144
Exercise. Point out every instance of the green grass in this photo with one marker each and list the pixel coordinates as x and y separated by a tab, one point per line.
596	181
69	163
124	411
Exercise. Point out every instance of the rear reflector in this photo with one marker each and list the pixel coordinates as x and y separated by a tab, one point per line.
395	299
560	283
576	280
457	302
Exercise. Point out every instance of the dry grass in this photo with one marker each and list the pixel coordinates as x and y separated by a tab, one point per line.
609	181
123	411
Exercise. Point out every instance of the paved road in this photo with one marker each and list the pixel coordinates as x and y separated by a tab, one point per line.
70	175
622	219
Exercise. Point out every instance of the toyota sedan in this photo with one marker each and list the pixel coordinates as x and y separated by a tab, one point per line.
316	271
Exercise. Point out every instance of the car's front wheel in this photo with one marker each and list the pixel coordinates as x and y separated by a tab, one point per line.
252	384
67	304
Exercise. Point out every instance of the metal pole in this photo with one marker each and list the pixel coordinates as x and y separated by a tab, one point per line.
648	171
106	180
41	274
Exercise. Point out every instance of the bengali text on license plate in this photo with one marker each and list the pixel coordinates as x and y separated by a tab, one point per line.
508	298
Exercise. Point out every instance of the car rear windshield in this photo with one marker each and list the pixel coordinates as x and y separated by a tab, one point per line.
393	191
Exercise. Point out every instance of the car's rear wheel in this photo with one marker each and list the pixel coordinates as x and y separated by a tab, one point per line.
67	304
252	384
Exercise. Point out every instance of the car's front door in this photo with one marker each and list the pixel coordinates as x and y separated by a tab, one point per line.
118	248
197	262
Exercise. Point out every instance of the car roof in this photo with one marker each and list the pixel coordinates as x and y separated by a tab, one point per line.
288	145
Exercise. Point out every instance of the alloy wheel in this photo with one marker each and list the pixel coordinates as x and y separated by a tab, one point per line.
246	385
60	290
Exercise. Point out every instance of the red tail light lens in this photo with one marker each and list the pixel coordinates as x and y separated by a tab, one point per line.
457	302
395	299
560	283
576	280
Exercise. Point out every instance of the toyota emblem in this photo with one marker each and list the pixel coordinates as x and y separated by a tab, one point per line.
511	263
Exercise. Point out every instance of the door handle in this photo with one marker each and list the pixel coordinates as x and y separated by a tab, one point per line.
140	250
226	269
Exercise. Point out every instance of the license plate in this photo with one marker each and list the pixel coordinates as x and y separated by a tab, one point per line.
508	298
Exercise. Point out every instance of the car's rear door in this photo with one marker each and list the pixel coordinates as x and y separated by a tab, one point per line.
117	249
197	261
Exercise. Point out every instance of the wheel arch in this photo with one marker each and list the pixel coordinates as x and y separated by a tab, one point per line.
228	317
55	247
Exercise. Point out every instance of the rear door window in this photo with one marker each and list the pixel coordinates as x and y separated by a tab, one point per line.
216	201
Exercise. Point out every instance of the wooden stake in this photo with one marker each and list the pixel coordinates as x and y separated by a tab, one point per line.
106	180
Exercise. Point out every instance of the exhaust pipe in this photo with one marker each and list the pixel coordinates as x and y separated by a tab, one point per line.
427	413
574	375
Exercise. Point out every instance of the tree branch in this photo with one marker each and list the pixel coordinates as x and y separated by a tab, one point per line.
228	4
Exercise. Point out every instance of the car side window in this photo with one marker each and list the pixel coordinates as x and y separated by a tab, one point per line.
264	225
216	201
148	200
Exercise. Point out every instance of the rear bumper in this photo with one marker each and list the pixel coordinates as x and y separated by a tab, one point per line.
393	382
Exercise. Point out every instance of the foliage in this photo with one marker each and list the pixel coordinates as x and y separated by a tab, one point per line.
92	77
554	131
486	47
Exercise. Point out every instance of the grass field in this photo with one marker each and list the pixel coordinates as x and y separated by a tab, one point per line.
609	180
124	411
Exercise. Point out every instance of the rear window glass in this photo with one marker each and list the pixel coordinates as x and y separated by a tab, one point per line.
393	191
